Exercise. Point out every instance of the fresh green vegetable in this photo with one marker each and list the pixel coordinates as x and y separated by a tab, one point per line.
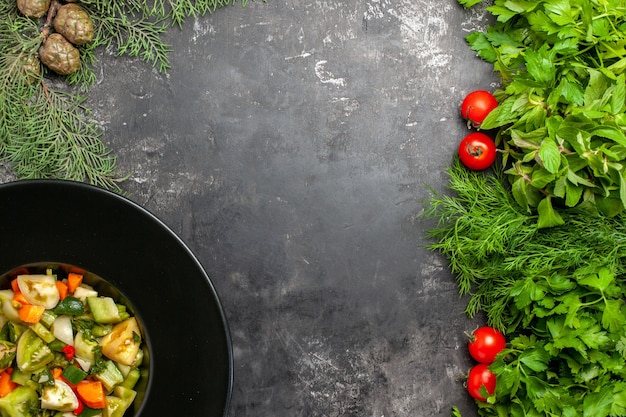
104	310
21	402
557	293
74	374
32	352
570	358
70	306
109	375
562	115
119	402
41	331
493	246
131	378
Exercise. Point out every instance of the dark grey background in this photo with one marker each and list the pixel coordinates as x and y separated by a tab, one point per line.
290	146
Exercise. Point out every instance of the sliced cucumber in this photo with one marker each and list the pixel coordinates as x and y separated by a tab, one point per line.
104	310
118	403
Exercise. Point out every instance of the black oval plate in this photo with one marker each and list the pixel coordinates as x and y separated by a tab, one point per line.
73	223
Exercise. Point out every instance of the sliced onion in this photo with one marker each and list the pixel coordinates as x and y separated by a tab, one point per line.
62	330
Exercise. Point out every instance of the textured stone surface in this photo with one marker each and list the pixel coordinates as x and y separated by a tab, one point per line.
290	146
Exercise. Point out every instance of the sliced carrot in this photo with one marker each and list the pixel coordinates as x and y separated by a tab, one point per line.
73	281
14	286
91	393
19	299
57	372
29	313
63	289
6	385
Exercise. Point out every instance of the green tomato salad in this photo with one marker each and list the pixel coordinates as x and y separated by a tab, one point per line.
65	349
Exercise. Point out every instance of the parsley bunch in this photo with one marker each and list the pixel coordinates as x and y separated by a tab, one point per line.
562	115
571	360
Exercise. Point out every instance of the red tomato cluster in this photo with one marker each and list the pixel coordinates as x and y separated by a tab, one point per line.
484	346
477	151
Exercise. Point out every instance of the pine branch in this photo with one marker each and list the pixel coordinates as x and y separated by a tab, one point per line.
46	133
134	38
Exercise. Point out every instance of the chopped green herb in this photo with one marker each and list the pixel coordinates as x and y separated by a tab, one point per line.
561	122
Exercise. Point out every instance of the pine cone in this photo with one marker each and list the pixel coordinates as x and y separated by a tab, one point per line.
74	23
33	8
31	67
58	54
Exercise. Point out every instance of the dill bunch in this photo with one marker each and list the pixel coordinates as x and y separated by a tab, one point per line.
495	248
48	132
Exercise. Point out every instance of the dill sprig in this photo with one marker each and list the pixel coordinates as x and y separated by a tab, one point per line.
48	132
493	245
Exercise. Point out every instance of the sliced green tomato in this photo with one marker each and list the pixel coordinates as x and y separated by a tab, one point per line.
19	403
39	289
59	397
32	352
123	342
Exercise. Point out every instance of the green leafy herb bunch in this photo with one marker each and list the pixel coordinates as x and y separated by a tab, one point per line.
561	122
557	293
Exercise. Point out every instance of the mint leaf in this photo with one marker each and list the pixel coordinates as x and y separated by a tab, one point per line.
548	217
550	155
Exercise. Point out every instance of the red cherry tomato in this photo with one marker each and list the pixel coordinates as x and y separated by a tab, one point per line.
480	376
485	344
477	105
477	151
